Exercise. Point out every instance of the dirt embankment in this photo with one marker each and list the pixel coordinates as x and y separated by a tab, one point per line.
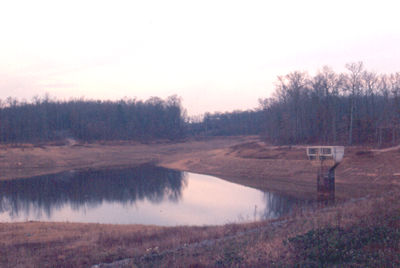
245	160
28	160
286	169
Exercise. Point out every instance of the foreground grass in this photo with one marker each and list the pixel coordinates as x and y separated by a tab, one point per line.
356	246
364	233
360	233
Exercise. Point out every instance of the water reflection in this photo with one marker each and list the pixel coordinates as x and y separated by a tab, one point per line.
277	205
89	189
145	195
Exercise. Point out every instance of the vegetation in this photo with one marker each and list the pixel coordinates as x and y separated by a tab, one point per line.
361	233
358	245
87	120
228	124
357	107
364	233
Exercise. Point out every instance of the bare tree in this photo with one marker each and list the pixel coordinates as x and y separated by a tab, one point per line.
354	84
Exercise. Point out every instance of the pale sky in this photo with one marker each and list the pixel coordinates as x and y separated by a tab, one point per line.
216	55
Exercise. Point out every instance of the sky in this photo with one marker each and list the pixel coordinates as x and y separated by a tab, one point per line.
216	55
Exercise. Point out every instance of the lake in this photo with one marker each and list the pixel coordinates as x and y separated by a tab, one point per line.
140	195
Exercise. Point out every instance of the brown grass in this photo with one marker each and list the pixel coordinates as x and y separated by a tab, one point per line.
265	245
39	244
261	244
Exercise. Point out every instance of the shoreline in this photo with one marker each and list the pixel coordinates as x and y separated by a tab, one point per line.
243	160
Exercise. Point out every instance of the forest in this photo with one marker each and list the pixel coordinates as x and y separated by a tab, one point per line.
88	120
227	124
354	107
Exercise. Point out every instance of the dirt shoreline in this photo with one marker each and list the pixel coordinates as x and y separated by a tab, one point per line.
244	160
27	160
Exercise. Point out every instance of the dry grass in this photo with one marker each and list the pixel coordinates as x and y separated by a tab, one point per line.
268	244
39	244
260	244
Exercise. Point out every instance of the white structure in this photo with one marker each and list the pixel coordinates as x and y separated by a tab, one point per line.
326	153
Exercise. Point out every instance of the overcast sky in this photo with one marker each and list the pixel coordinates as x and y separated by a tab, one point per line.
216	55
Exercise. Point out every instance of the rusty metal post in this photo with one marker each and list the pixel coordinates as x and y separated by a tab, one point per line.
326	183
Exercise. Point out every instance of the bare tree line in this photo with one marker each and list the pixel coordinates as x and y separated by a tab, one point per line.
355	107
44	119
228	124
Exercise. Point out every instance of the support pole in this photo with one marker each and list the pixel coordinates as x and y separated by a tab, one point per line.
326	183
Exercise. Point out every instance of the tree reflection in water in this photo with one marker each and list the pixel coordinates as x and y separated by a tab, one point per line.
88	189
278	205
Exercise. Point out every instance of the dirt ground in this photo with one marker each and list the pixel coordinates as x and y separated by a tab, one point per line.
245	160
26	160
287	170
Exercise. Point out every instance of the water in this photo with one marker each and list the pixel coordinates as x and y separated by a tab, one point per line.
141	195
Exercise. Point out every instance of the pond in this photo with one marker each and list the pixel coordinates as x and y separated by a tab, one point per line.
140	195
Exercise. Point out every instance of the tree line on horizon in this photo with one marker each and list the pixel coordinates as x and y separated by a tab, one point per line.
88	120
354	107
234	123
